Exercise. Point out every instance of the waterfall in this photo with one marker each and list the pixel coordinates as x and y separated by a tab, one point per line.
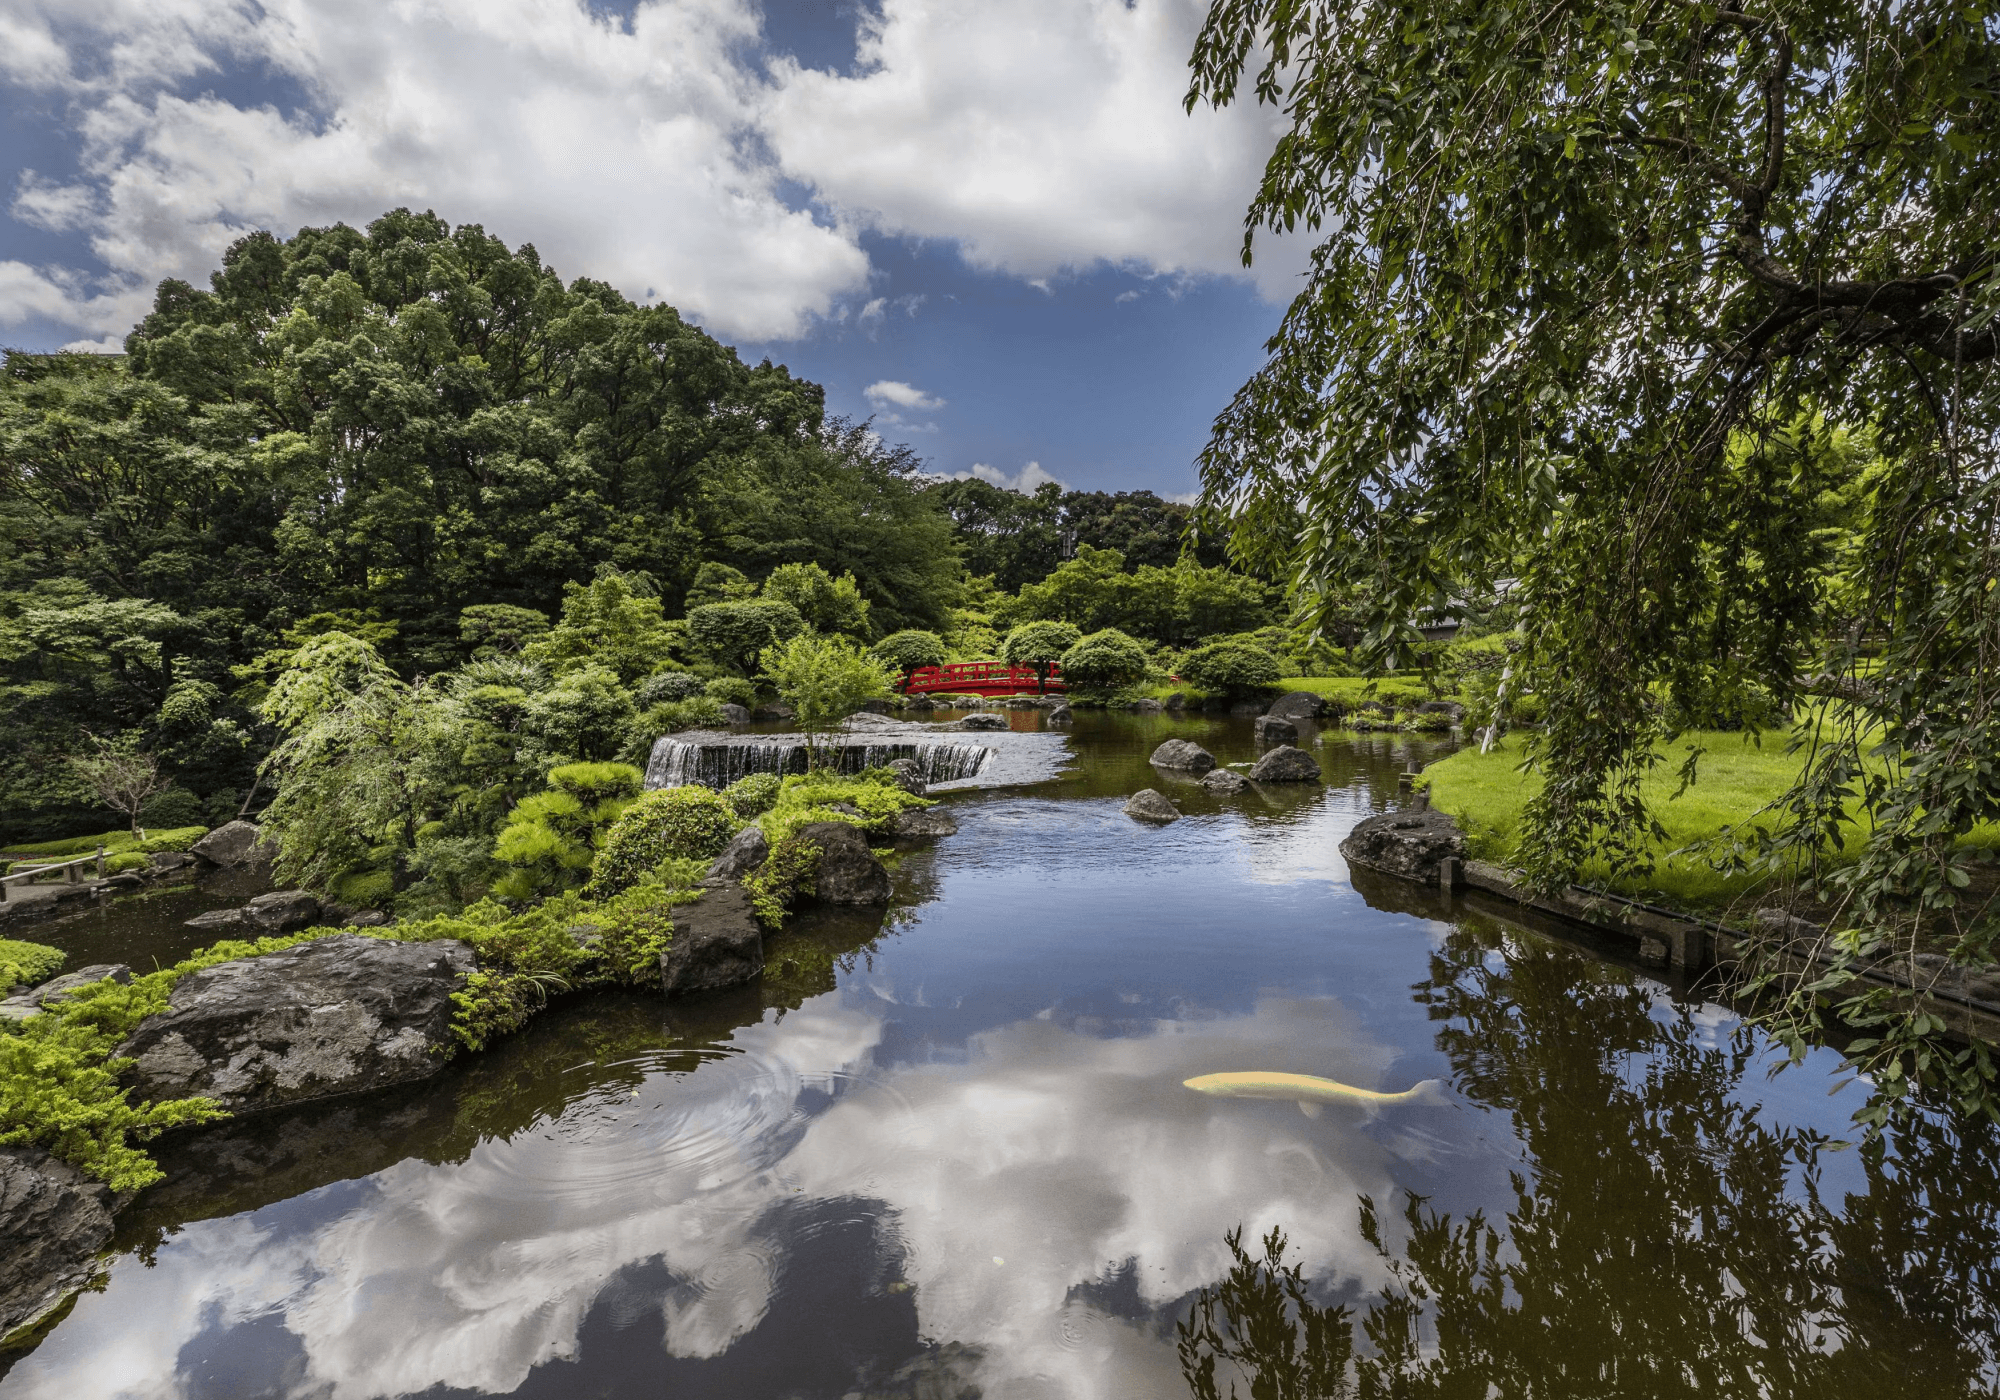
717	760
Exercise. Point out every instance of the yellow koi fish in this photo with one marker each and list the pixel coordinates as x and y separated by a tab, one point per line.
1309	1091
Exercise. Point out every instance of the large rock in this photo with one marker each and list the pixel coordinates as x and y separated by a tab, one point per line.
337	1015
848	871
1285	765
744	853
1272	730
1224	780
283	911
56	988
55	1222
1146	705
1407	844
1060	714
1297	704
922	824
1146	805
909	776
1183	754
717	943
236	845
984	722
776	710
734	714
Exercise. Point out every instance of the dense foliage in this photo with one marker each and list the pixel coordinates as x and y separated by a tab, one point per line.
1104	662
683	823
1018	538
1590	287
25	964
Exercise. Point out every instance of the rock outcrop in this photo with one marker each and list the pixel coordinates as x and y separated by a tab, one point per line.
280	911
1406	844
1225	780
746	851
924	825
717	943
55	1222
1145	705
1297	704
1060	714
236	845
1270	729
337	1015
1147	805
1182	754
735	714
1285	765
983	722
909	776
848	871
56	988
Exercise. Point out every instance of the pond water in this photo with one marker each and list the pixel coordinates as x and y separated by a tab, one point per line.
950	1155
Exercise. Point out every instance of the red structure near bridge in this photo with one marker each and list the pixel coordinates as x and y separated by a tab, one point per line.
981	678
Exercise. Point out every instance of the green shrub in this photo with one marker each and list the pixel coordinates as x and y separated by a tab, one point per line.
909	651
25	964
174	807
364	889
1040	645
754	795
551	838
125	860
686	823
1104	661
736	633
672	716
731	690
667	688
809	797
1231	668
180	838
787	873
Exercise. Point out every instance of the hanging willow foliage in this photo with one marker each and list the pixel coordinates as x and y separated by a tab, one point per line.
1595	289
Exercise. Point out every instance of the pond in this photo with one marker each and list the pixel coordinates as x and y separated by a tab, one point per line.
950	1155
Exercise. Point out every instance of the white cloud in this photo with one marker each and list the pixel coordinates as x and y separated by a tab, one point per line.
894	391
1043	136
1024	480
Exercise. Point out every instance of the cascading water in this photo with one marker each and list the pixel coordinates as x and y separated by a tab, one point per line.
716	761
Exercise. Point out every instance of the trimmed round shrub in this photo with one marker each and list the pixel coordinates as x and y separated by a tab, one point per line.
683	823
1231	668
666	688
25	964
124	861
1104	661
909	651
731	690
754	795
174	807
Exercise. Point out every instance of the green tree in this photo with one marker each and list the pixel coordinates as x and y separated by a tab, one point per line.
1550	298
824	679
613	622
1040	645
736	633
719	583
123	777
1175	605
499	629
690	823
828	604
583	717
552	838
1103	662
908	652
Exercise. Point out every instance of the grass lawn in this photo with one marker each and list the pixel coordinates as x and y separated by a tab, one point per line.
1486	792
1354	689
175	839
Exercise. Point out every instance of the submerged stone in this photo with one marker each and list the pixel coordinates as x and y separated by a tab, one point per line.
1406	844
1272	730
926	824
1297	704
1224	780
1147	805
1183	754
1285	765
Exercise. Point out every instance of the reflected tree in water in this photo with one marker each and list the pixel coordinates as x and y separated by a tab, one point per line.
1665	1239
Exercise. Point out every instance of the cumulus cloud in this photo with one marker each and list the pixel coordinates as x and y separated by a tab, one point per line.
652	151
1027	479
894	391
1043	135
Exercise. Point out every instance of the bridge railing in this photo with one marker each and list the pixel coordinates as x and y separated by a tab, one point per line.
981	675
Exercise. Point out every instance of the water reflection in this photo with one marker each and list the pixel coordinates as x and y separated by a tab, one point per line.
1667	1234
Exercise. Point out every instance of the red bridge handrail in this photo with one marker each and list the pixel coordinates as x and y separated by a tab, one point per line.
981	678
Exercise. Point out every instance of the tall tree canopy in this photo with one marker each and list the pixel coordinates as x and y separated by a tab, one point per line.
1587	276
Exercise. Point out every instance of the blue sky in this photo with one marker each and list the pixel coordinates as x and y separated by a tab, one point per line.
991	227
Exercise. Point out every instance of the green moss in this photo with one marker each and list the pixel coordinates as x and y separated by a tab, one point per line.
364	889
809	797
125	860
25	964
114	843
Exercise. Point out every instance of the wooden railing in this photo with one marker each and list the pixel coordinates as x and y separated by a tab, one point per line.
981	678
67	867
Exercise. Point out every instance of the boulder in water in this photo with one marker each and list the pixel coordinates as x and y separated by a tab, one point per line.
744	853
717	943
236	845
848	872
1060	714
909	776
283	911
1285	765
777	709
1174	703
1272	730
1145	705
735	714
56	1221
1297	704
333	1016
922	824
1149	806
1224	780
1183	754
1407	844
983	722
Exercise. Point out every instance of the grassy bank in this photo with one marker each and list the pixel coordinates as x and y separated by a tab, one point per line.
1737	777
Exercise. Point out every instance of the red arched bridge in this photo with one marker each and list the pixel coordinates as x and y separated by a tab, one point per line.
981	678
